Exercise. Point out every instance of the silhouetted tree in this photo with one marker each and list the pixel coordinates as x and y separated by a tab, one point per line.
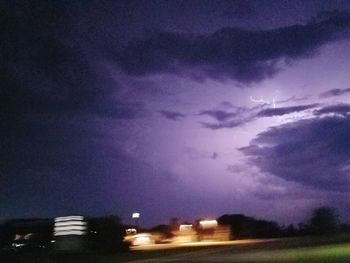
324	220
106	233
290	231
345	228
247	227
163	229
174	223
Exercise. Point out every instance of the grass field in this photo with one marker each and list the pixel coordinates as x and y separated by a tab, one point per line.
335	249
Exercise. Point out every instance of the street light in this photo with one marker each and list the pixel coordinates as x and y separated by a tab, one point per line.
136	217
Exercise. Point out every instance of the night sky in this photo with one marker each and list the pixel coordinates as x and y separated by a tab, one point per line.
174	108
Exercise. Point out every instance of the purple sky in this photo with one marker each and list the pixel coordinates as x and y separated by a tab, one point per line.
175	109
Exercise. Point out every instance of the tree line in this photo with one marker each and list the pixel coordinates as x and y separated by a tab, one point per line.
324	220
106	233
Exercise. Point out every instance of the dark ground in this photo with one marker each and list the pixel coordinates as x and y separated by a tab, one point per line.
308	249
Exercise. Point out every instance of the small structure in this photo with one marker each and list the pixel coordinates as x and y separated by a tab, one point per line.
70	233
185	234
210	230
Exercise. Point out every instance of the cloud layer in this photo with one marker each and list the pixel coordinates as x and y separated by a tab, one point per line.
313	152
339	109
241	116
172	115
284	110
47	67
57	102
233	53
334	92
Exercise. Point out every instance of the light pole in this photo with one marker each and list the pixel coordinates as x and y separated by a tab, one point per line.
136	217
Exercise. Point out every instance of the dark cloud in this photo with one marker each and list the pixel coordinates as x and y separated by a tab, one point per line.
229	124
226	105
172	115
334	92
53	88
235	53
229	119
270	112
219	115
228	116
313	152
327	14
63	159
341	109
293	99
56	101
238	9
47	67
222	125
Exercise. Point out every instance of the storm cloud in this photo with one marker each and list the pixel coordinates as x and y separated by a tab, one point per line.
235	117
284	110
313	152
57	102
229	119
47	67
340	109
98	96
222	115
334	92
172	115
230	124
238	9
231	53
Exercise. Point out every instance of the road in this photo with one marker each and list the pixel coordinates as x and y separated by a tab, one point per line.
327	249
289	250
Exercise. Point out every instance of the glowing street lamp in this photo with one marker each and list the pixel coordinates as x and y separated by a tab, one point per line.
136	217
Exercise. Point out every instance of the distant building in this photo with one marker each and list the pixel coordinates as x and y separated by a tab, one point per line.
70	233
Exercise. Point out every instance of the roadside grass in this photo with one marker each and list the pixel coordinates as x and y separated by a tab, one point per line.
339	253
